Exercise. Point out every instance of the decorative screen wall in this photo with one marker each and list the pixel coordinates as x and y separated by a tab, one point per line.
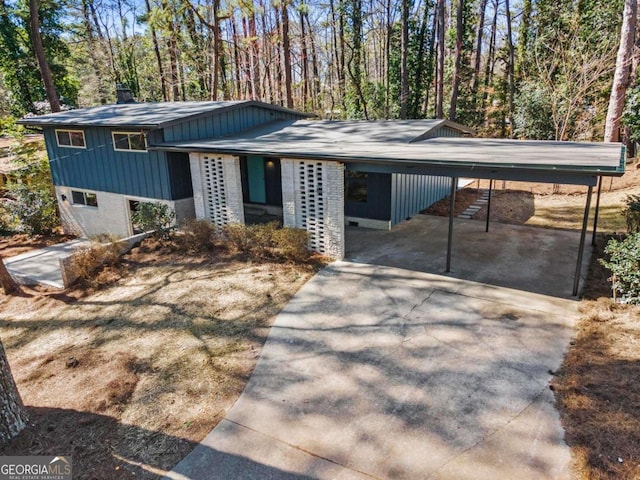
217	188
311	202
215	195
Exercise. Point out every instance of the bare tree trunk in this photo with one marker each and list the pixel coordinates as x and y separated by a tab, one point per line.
13	416
314	66
387	54
621	75
257	88
279	60
217	53
92	49
430	63
286	48
440	76
404	51
9	285
156	50
304	59
478	54
488	69
43	64
512	87
458	58
336	54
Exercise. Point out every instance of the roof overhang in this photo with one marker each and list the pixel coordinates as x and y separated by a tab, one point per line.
538	161
144	116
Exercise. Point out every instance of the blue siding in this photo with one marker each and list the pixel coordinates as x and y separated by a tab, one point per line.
412	193
219	124
100	167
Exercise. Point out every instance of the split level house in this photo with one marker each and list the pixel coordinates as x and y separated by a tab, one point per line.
238	162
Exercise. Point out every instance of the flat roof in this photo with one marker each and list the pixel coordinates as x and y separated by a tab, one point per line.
384	144
140	115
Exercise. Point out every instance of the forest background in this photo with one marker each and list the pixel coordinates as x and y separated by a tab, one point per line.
540	69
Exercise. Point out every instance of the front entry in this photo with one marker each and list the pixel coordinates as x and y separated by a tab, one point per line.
261	188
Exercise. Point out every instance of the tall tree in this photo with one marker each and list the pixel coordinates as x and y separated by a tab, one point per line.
440	67
621	75
13	416
286	53
457	62
511	66
43	63
404	52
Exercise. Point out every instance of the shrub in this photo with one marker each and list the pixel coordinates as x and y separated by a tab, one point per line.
153	217
197	236
292	244
238	236
624	263
87	260
631	213
34	209
265	241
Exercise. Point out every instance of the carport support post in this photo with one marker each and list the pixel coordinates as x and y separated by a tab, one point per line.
583	234
452	204
489	204
595	218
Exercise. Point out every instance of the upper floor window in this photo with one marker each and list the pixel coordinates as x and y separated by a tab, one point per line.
129	141
70	138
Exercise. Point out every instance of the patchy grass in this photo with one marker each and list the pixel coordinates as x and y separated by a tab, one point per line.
597	388
129	377
548	205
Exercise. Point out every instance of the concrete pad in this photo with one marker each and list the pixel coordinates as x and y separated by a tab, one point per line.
42	266
380	372
525	258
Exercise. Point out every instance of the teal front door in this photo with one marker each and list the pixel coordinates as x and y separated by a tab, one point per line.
255	176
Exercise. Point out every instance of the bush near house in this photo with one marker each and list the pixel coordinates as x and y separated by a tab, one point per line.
624	263
265	241
32	209
631	213
153	217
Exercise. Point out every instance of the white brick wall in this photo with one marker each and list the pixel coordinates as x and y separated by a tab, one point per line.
112	214
313	199
217	188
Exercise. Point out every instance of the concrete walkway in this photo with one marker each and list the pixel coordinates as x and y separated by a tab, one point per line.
42	266
380	372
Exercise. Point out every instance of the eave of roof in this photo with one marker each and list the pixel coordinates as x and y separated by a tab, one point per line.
147	116
553	158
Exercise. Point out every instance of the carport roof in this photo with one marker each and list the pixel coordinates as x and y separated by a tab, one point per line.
396	147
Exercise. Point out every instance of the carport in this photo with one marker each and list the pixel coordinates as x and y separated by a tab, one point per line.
577	163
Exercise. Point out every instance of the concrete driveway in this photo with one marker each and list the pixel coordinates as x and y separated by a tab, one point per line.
526	258
387	373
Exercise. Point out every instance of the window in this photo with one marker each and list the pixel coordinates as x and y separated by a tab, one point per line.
129	141
70	138
356	184
84	198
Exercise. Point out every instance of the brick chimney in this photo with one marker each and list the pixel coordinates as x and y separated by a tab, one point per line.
123	94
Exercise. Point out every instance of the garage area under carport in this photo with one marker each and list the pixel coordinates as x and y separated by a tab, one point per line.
313	188
500	159
531	259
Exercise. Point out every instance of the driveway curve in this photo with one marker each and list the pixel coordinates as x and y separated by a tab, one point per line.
385	373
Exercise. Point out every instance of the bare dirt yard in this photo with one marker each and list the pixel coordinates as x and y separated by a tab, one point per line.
127	378
597	388
548	205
